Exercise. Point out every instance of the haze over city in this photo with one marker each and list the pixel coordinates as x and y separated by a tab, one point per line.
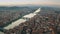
35	2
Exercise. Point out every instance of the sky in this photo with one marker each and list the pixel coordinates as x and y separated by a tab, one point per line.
35	2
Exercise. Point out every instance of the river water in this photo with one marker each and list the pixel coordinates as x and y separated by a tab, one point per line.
16	23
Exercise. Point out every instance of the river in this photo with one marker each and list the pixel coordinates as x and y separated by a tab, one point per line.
23	19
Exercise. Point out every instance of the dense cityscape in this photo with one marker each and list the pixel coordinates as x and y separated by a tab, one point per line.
46	21
29	16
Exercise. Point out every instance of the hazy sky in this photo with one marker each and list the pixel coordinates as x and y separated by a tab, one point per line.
21	2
